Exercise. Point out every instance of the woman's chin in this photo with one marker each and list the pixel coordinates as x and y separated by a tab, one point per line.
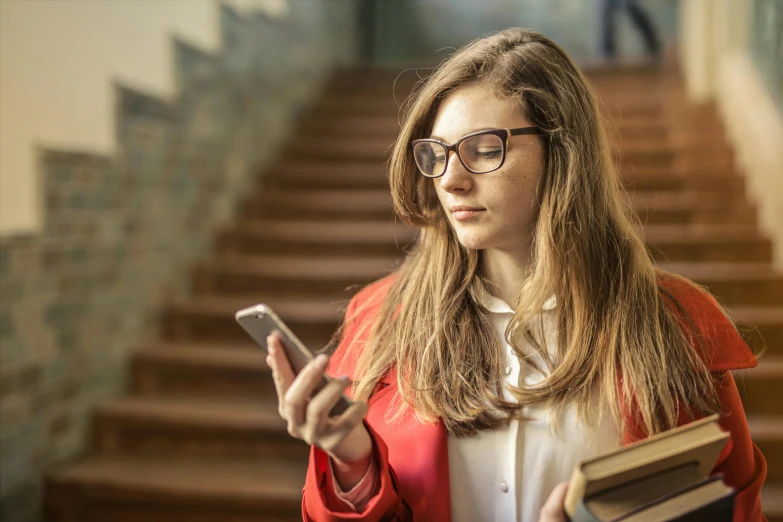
471	242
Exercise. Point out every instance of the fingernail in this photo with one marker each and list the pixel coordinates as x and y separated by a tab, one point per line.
321	359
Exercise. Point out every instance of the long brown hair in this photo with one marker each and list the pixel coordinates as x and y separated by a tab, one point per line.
611	314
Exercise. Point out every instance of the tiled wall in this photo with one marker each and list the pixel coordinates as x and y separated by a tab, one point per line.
121	232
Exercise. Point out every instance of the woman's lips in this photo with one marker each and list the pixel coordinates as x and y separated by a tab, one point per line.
462	215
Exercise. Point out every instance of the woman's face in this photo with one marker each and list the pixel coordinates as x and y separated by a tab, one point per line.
507	196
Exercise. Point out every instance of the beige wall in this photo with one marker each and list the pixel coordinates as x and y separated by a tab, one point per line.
58	60
717	65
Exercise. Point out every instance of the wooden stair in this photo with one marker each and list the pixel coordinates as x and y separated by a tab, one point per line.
198	436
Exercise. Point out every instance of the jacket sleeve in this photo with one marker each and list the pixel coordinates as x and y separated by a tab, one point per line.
385	506
742	464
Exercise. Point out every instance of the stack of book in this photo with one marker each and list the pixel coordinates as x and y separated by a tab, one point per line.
663	477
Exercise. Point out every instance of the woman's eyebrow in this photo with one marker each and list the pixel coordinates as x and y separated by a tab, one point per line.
434	137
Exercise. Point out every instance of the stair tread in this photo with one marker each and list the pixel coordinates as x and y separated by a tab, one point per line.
772	498
751	315
364	198
236	412
328	232
725	271
689	233
316	309
765	426
245	356
769	366
299	266
191	477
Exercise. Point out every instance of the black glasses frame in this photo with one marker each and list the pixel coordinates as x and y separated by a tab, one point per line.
503	134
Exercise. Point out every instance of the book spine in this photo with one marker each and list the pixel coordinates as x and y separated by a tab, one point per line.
576	491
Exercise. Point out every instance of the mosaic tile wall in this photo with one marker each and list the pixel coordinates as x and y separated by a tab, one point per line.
121	232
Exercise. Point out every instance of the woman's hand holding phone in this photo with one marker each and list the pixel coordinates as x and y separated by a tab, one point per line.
345	438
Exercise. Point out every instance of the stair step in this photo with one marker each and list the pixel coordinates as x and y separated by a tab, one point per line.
767	433
760	387
707	243
210	318
212	370
736	284
363	148
761	327
299	174
689	206
290	275
248	427
299	237
772	501
363	204
137	488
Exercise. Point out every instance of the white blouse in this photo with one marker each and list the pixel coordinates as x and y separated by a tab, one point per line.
507	474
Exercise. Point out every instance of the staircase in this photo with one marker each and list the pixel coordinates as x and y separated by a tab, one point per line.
198	437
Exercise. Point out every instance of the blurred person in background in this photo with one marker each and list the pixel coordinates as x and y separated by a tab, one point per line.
641	20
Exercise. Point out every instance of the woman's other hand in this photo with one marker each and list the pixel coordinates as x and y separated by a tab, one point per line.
345	438
554	509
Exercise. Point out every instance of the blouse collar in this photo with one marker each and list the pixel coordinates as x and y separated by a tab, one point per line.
496	305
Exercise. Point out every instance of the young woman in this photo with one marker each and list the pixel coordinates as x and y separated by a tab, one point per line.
526	330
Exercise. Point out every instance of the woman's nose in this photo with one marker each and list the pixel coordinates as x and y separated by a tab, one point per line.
456	176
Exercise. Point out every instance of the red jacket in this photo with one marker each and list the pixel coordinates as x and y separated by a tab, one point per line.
413	457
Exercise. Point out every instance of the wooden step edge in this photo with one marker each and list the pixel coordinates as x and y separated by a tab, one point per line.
724	271
769	367
316	308
258	414
177	478
766	427
772	499
247	356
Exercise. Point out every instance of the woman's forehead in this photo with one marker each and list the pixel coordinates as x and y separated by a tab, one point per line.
473	108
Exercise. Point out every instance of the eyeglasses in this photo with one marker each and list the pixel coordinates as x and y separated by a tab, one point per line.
479	152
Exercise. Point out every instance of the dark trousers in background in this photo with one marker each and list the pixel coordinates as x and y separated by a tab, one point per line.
640	19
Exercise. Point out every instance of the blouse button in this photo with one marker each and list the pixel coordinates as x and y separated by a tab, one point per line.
508	370
504	486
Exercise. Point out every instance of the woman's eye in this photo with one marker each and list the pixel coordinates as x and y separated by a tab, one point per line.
489	154
439	159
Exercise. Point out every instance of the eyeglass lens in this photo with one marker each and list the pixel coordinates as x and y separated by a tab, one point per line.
481	153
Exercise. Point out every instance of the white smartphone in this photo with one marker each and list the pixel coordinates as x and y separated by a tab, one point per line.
260	321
